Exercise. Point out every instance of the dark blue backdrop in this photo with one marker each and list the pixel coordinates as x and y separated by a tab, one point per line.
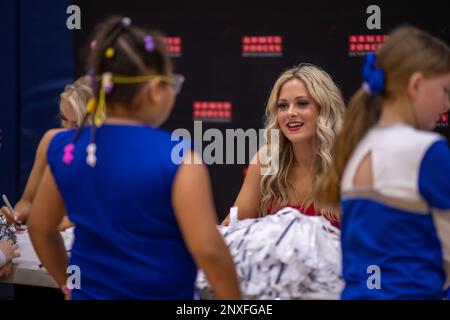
9	109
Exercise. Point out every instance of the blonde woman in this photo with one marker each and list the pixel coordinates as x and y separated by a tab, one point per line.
307	108
72	109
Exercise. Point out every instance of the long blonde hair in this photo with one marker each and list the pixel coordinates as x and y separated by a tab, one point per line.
328	98
407	51
77	95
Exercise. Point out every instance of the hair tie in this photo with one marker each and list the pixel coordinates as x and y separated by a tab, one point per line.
373	76
93	44
149	43
366	88
125	22
91	74
90	107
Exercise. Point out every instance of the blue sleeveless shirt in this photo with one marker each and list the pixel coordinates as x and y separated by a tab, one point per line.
128	244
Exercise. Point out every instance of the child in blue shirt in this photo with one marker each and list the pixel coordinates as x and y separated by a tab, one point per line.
144	221
391	175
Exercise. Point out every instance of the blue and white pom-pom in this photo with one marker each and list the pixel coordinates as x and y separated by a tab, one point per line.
286	255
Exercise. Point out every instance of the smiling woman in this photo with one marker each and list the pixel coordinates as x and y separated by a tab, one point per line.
307	107
296	112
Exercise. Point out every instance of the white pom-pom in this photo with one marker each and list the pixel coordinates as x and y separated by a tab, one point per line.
286	255
233	217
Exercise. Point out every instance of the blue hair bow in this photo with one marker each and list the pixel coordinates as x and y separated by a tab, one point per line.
372	75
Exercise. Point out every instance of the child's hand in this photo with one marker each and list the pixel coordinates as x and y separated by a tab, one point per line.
17	219
7	214
22	211
9	249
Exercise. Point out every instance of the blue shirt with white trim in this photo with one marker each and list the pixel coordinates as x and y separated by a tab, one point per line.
392	240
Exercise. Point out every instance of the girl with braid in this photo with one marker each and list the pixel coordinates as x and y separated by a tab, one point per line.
142	228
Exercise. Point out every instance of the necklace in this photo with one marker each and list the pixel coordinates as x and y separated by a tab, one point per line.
298	199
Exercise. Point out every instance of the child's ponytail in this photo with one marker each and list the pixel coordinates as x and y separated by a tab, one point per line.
363	112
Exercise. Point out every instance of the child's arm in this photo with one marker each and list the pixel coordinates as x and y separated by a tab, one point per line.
47	213
434	186
23	206
249	197
195	213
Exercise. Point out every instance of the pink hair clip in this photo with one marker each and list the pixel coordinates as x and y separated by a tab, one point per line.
68	153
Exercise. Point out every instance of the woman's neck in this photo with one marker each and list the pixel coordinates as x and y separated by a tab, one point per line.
301	176
304	155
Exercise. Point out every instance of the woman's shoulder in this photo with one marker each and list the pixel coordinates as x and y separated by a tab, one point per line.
55	139
50	134
46	139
